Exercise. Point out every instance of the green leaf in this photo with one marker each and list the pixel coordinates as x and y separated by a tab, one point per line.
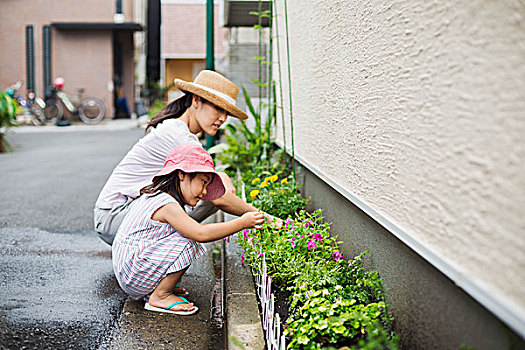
218	148
303	339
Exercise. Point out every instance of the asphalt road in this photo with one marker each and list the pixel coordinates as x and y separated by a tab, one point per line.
57	289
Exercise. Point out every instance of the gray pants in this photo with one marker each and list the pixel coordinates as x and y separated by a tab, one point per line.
107	221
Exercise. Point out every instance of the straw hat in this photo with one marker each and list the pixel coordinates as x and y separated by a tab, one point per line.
216	89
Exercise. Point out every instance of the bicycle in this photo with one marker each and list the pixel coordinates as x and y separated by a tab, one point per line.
90	110
33	106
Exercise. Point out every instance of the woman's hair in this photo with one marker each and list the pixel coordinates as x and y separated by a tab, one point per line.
174	109
169	184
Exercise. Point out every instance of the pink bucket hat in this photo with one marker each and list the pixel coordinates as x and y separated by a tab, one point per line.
192	158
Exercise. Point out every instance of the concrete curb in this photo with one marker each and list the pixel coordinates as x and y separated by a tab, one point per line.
243	321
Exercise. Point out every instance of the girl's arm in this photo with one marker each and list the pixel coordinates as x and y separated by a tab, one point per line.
174	215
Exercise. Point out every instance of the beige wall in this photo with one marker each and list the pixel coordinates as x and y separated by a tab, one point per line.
183	30
84	59
418	109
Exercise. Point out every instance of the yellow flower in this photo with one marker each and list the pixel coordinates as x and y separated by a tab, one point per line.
273	178
254	193
254	181
285	180
271	193
282	191
264	184
267	179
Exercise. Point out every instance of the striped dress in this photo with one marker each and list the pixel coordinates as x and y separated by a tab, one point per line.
145	251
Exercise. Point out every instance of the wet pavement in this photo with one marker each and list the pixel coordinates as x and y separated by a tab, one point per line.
57	289
141	329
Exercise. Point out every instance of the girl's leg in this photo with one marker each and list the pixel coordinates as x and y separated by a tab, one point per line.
163	296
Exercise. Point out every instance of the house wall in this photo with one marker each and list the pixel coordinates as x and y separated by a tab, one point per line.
183	41
430	311
83	58
183	29
15	15
414	110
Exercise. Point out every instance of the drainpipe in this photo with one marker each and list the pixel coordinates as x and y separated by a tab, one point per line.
119	17
46	43
210	56
30	59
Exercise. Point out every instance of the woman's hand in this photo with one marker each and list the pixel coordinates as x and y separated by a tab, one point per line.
253	219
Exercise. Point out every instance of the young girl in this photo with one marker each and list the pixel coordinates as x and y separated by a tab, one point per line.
157	241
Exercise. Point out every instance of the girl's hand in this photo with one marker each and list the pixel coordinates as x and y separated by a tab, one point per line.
274	221
253	219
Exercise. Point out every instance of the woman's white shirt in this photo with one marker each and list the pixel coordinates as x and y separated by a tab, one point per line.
142	162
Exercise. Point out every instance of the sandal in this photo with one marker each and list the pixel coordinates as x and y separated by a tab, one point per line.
150	307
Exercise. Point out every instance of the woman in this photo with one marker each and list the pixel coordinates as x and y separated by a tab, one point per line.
207	102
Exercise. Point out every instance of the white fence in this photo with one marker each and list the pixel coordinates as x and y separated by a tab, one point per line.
271	321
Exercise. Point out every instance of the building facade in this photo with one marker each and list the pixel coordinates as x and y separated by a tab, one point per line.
408	121
183	41
91	46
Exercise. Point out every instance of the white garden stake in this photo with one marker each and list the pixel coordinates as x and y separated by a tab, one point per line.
271	321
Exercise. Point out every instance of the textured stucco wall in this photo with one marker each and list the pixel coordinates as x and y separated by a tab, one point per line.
418	108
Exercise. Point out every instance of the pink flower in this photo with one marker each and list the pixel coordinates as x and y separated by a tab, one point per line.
293	243
250	240
242	258
307	224
261	254
245	233
288	222
311	244
337	256
227	239
310	292
318	236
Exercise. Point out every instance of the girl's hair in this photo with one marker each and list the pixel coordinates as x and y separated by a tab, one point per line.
174	109
169	184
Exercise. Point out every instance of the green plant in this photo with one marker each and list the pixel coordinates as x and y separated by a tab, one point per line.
248	152
321	321
155	91
333	301
278	197
7	119
155	108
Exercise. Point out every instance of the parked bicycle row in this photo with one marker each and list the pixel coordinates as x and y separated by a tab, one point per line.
90	110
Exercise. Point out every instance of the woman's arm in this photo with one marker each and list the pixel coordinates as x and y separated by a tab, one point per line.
174	215
227	182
